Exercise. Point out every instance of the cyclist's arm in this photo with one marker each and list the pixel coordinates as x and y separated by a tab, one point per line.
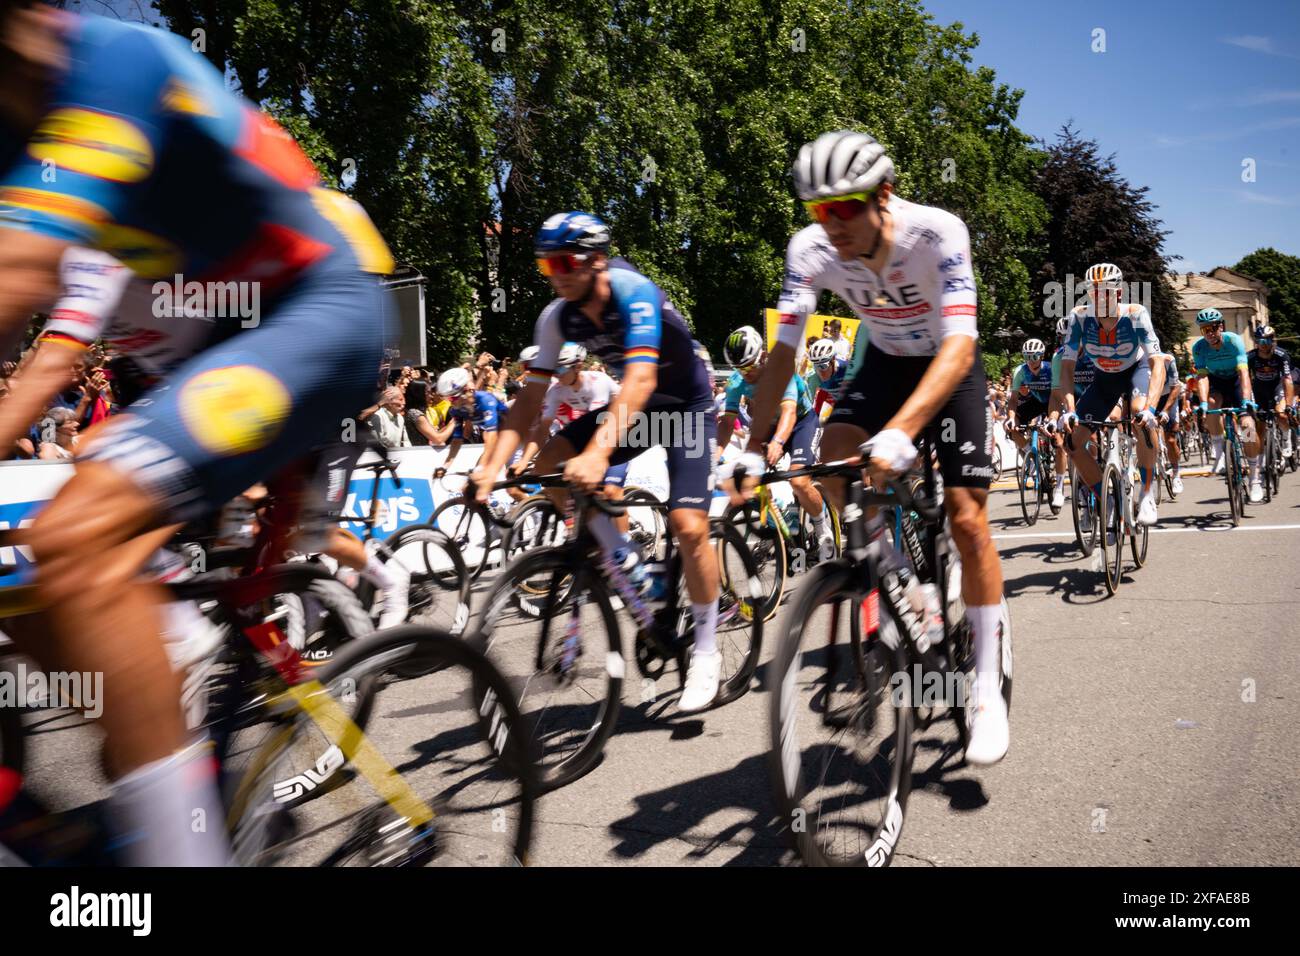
29	280
726	427
443	434
767	395
785	424
48	373
1067	383
452	451
641	309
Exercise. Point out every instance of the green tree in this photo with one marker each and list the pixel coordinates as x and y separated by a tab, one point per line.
1281	273
1096	215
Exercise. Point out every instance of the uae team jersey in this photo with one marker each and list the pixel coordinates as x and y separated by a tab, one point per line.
924	295
639	325
173	174
593	390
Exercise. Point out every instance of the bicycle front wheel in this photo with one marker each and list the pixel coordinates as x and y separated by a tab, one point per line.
768	547
554	635
470	530
1111	528
1084	514
445	776
1031	499
841	784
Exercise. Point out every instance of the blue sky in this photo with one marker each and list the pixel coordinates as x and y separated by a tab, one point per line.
1184	92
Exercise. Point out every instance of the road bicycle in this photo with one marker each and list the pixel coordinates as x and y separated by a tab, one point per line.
1036	473
1115	514
1273	463
301	781
1234	467
550	625
842	774
781	538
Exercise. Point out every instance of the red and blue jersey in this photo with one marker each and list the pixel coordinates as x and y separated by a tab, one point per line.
173	174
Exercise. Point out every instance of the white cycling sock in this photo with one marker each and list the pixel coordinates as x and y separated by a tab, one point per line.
377	573
705	617
1060	480
168	813
1216	445
1254	467
984	621
607	534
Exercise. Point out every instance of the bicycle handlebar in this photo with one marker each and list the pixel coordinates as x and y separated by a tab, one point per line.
899	492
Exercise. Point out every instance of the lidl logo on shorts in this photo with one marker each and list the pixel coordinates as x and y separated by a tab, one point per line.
234	410
96	144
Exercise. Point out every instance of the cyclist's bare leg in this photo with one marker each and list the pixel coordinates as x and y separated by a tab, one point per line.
1146	447
839	441
346	548
1084	462
806	493
968	518
615	493
700	565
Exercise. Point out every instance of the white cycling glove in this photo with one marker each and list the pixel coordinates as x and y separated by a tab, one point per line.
893	447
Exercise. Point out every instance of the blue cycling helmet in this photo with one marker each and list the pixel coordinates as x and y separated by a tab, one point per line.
1208	317
572	230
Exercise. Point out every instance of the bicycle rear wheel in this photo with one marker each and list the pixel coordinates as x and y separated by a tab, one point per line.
449	752
535	524
469	530
647	523
439	591
768	547
841	785
1232	476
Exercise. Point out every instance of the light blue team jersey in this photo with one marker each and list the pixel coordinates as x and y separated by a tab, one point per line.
796	391
1040	382
1222	362
1131	340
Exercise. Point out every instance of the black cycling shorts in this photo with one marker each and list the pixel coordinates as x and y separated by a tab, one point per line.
1029	409
962	431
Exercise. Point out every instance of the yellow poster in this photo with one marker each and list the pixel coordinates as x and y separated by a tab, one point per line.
816	327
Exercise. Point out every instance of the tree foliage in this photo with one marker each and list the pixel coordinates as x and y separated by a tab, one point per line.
1281	273
465	123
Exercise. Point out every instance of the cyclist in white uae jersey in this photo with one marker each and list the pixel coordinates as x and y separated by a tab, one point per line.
1122	343
905	270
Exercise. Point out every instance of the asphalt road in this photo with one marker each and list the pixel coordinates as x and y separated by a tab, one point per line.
1155	727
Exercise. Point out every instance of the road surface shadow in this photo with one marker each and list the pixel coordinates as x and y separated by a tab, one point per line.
1075	585
963	793
671	813
1054	552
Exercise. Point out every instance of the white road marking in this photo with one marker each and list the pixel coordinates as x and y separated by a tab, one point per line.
1156	530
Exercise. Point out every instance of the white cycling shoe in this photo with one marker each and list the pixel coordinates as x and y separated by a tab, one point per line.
1058	496
396	598
989	729
1147	509
1218	466
702	678
1256	491
1178	485
826	545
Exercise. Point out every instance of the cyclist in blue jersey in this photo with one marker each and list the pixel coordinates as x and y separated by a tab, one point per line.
796	426
477	414
1123	345
164	168
1270	379
665	398
1031	397
1219	358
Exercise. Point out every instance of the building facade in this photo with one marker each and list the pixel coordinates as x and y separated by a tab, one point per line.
1243	300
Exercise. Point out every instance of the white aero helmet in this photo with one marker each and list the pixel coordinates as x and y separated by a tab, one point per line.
840	162
571	354
1105	273
1033	349
821	351
528	355
743	347
453	382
